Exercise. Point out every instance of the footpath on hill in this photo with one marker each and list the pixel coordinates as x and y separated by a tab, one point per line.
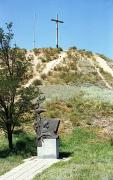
49	66
103	64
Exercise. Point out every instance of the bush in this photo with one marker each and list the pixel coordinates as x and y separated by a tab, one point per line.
111	141
72	48
60	49
89	54
20	145
37	82
51	53
43	59
36	51
105	58
43	76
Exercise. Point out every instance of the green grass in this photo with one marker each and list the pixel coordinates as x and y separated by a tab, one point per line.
24	147
66	77
65	92
92	157
61	92
80	111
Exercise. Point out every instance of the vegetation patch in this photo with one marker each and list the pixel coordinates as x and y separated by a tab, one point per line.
24	147
91	157
80	111
91	153
47	54
37	82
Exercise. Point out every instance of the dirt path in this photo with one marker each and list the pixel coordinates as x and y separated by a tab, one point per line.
106	83
52	64
103	64
98	71
49	66
34	63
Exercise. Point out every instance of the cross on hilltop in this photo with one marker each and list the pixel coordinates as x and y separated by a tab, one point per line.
57	29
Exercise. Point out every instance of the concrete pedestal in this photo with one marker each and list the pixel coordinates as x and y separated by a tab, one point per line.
49	149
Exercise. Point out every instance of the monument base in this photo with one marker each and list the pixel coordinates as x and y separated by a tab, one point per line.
49	149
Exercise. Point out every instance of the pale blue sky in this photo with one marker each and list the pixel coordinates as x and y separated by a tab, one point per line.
88	24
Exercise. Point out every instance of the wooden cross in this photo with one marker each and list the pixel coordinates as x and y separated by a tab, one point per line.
57	29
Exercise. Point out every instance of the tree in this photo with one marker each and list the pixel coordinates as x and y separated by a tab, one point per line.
15	99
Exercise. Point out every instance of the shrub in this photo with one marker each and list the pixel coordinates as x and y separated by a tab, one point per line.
20	145
43	76
51	53
89	54
36	51
37	82
111	141
104	57
43	59
72	48
60	49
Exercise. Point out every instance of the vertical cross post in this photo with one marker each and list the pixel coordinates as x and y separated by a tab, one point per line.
57	30
34	31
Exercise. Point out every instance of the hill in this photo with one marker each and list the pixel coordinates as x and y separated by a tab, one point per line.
54	66
78	87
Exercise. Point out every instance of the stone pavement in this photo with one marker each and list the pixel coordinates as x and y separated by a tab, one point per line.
29	169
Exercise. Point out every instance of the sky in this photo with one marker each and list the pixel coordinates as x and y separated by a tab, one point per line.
88	24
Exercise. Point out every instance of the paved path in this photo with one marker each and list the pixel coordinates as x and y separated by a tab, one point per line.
29	169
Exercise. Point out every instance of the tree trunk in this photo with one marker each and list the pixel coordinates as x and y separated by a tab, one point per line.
10	141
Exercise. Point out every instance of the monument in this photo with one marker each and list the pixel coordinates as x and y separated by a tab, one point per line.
47	139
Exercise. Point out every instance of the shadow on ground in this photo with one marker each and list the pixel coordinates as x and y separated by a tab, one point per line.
18	132
25	146
65	155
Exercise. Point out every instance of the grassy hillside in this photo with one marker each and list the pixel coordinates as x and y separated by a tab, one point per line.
91	157
63	92
78	91
86	134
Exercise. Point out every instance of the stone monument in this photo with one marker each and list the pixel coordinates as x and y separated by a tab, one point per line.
47	139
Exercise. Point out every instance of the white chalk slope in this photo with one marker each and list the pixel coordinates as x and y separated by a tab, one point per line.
49	66
52	64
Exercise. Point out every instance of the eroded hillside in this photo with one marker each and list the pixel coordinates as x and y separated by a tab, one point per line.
54	66
73	74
